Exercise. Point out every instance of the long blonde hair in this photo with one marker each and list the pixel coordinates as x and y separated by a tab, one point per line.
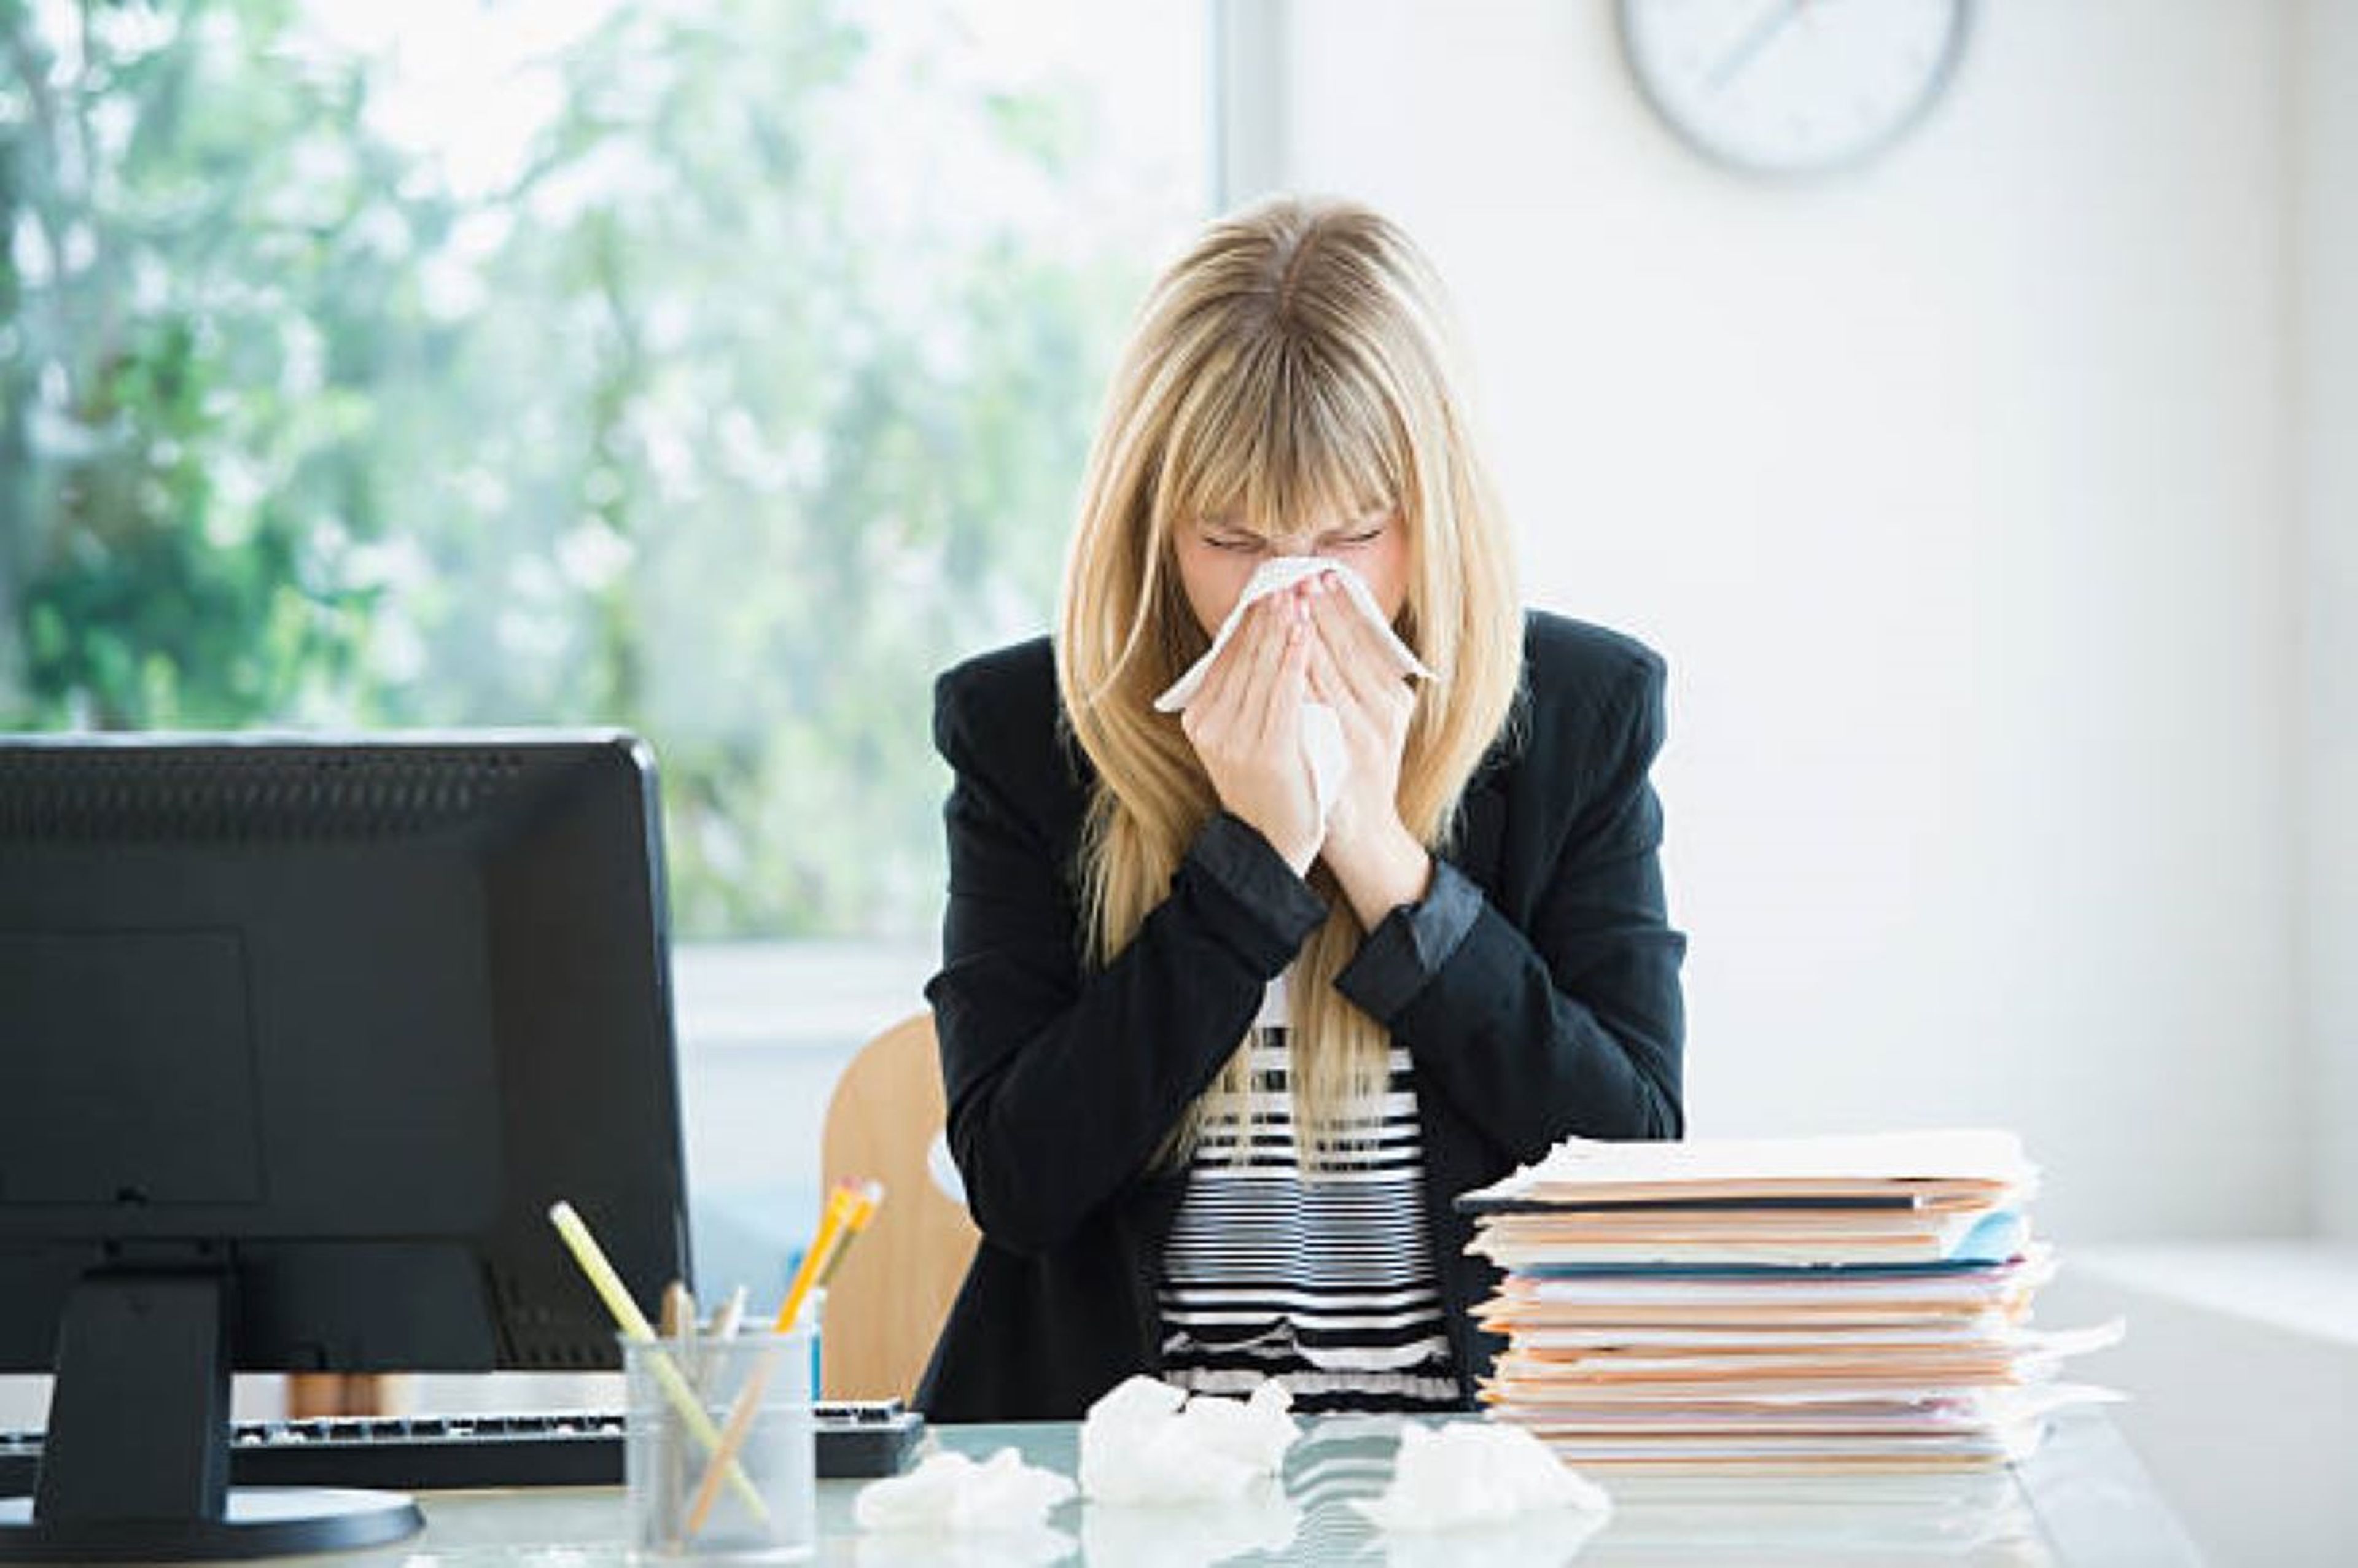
1297	359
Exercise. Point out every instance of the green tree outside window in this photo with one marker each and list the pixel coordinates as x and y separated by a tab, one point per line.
753	391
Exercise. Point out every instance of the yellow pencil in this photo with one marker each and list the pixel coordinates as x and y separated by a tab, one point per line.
838	1210
855	1208
634	1325
871	1197
848	1210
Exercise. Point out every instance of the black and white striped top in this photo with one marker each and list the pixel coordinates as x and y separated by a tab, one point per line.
1325	1282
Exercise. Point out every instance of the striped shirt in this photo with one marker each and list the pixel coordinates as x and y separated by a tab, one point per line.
1325	1282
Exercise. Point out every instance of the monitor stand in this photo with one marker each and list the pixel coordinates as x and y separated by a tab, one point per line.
134	1466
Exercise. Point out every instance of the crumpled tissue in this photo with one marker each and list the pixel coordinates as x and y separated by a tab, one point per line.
1475	1473
1321	731
1146	1441
949	1493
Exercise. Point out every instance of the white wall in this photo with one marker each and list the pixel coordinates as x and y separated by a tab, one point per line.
1959	493
2325	261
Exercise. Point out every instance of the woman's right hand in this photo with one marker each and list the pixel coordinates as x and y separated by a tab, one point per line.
1246	726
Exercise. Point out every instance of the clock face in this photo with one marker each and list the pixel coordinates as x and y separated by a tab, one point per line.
1793	86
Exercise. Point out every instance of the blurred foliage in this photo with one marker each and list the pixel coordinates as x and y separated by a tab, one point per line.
670	430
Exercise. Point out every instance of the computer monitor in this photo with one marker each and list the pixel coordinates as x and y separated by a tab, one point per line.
299	1039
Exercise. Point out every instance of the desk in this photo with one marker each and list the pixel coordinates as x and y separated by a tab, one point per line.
2083	1499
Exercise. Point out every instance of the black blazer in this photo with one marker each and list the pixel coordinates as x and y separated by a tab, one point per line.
1535	987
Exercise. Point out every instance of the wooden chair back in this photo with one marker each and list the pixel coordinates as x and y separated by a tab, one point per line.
889	1297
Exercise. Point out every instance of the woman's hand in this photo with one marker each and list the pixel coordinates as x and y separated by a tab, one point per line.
1246	726
1380	863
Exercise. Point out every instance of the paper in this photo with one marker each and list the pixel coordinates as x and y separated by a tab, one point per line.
1469	1473
950	1493
1562	1246
1322	732
1846	1304
1970	1287
1147	1442
1973	1166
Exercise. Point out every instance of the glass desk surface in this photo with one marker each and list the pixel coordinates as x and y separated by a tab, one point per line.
2082	1500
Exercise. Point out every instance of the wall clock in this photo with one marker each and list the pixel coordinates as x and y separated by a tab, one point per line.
1792	87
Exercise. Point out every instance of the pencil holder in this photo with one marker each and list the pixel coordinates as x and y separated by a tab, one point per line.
719	1456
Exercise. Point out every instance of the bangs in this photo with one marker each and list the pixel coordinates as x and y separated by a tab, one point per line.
1280	434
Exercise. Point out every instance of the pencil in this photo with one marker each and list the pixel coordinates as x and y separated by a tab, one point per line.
848	1210
857	1207
838	1210
871	1198
634	1325
731	1316
678	1311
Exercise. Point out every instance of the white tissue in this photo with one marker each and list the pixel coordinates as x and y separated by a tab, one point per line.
1475	1473
1321	731
1147	1442
949	1493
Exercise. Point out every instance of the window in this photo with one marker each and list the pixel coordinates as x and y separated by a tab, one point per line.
717	368
721	369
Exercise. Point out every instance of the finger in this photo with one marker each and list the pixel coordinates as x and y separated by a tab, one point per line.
1337	617
1337	610
1217	678
1326	682
1285	715
1359	655
1281	735
1376	668
1230	674
1250	656
1361	724
1280	698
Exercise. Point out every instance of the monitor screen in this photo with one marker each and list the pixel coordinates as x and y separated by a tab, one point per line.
329	1023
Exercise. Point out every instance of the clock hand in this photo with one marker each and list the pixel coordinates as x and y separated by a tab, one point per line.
1764	32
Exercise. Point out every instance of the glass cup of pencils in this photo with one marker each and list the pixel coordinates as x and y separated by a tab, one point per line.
718	1458
719	1455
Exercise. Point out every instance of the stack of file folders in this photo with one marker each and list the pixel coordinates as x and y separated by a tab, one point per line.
1843	1305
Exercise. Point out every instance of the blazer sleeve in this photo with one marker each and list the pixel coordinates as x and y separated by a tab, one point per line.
1063	1078
1572	1021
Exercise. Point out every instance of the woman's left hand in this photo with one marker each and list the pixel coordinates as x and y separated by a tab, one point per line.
1380	863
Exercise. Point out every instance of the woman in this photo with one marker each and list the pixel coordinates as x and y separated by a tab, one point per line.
1218	1060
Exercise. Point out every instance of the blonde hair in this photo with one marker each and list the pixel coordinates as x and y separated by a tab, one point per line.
1297	359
